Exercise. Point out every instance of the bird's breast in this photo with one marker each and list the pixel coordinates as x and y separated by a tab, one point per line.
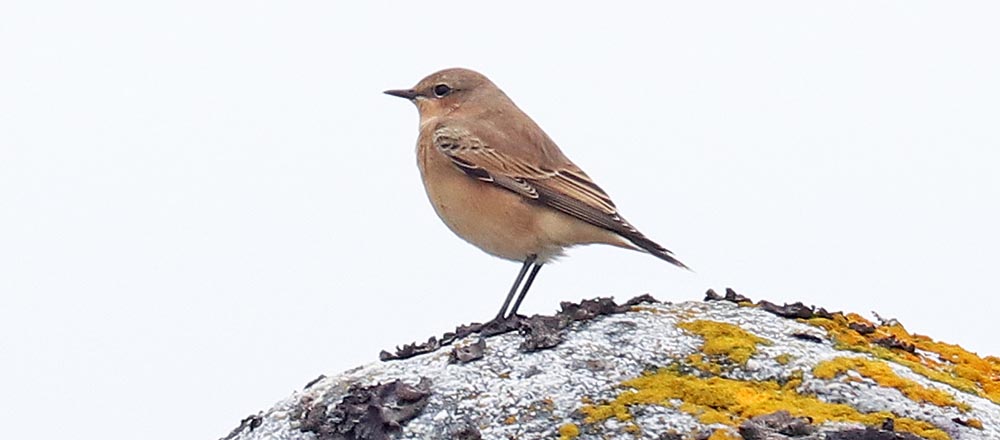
493	219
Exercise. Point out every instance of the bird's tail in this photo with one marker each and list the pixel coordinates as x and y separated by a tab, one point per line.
655	249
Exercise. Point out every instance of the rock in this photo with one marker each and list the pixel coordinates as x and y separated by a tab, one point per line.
649	370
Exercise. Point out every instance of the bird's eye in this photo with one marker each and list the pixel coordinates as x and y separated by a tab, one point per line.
441	90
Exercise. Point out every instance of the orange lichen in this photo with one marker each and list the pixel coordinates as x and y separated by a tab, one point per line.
730	402
569	431
938	361
882	374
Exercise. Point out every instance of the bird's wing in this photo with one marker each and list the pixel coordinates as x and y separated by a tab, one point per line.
565	188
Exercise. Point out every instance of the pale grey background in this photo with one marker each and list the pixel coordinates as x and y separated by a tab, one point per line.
203	205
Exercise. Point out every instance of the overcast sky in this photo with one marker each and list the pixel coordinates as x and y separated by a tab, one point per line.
206	204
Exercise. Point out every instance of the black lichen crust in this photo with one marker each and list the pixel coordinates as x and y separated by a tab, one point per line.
468	353
776	425
367	413
870	434
540	332
794	311
782	425
250	423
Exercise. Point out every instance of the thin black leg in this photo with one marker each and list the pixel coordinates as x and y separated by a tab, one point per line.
524	290
517	282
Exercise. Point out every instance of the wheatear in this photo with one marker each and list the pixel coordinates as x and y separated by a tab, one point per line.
498	181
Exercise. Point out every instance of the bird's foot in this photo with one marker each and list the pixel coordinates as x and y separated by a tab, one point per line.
501	324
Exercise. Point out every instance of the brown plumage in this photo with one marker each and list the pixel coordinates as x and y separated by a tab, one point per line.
498	181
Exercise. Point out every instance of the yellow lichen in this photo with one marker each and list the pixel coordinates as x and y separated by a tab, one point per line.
938	361
784	358
724	434
725	341
730	402
510	420
882	374
698	361
974	423
652	310
569	431
794	380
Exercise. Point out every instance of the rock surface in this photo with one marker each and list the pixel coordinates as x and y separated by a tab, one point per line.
724	369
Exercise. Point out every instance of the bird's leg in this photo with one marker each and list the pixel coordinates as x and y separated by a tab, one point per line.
513	289
524	290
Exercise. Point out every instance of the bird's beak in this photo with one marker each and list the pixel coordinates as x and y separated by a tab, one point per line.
408	94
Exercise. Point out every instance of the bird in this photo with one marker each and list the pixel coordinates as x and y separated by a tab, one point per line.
500	183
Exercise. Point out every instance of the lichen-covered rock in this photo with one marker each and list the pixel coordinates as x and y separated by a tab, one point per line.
725	369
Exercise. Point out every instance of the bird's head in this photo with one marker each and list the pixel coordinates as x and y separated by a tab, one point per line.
446	90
